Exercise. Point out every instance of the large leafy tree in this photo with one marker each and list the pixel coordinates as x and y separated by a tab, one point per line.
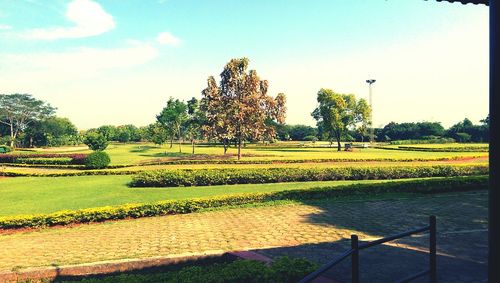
194	122
53	131
337	113
239	108
173	117
17	111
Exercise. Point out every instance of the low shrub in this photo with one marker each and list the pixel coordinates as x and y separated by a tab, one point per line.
282	269
45	161
5	149
65	217
425	141
97	160
59	159
278	161
207	177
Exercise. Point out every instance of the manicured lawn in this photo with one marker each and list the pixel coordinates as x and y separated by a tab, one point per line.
27	195
139	152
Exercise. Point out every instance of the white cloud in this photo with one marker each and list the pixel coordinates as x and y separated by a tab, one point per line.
166	38
89	19
5	27
61	67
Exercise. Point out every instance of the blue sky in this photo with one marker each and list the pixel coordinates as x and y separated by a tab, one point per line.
117	62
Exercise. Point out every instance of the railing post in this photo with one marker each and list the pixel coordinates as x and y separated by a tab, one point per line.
354	259
432	249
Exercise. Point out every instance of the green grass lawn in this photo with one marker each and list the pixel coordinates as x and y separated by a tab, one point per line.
133	153
27	195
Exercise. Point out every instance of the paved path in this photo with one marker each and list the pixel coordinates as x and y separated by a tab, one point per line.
316	230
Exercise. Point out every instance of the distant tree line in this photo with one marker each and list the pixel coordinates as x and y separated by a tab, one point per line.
231	112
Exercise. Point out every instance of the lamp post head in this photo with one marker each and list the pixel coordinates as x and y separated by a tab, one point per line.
370	81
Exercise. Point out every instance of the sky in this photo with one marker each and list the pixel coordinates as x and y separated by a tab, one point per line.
117	62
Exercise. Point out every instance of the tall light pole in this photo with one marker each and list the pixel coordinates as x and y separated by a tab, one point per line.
370	82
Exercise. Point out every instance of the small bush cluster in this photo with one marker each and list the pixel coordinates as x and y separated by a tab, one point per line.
60	159
192	205
282	270
207	177
5	149
97	160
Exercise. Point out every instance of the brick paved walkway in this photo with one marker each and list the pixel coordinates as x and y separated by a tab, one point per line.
311	230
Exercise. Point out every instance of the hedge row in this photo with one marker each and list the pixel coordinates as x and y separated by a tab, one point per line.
282	270
187	206
67	174
207	177
76	159
279	161
429	149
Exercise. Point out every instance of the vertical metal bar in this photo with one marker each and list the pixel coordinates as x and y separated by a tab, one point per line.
354	259
432	249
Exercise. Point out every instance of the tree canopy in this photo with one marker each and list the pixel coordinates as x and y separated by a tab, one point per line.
17	111
337	113
239	107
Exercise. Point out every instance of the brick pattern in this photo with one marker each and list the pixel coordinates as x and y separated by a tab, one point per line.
238	229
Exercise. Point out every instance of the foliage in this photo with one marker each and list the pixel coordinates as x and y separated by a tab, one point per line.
17	111
97	160
409	131
52	131
239	108
172	117
157	133
431	141
95	141
282	269
337	113
196	119
466	131
46	158
5	149
208	177
187	206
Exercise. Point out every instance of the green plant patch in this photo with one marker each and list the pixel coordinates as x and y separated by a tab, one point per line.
436	185
282	269
208	177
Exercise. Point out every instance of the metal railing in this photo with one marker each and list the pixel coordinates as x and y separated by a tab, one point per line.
356	247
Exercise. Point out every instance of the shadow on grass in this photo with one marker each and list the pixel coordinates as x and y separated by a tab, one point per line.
143	148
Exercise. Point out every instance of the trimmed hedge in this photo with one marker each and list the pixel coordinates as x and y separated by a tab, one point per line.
192	205
436	149
45	161
282	270
277	161
207	177
76	159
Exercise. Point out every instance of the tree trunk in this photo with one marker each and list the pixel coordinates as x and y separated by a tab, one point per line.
239	148
12	135
192	144
339	147
224	143
180	146
171	141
